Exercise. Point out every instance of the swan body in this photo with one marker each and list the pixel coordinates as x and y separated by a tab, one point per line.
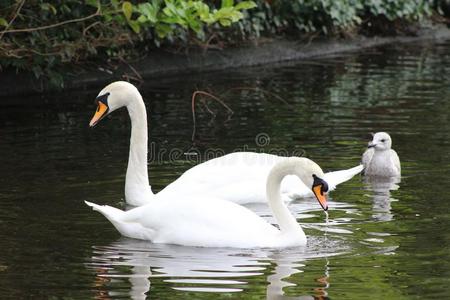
198	221
379	159
240	177
237	177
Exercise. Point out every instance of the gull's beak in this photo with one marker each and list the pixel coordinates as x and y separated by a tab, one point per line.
371	145
102	110
317	190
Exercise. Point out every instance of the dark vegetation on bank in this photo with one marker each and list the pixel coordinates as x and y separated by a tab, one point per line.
55	40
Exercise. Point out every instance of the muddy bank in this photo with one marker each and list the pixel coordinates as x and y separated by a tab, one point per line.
162	63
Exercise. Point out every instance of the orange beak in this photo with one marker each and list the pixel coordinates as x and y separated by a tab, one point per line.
320	196
102	109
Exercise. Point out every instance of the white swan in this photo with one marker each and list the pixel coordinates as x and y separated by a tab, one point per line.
237	177
379	159
219	223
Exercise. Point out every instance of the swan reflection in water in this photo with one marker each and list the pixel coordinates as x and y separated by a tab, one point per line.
194	269
381	197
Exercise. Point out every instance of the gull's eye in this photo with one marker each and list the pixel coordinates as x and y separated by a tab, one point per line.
383	140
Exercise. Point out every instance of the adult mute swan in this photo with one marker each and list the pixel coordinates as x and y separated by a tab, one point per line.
219	223
379	159
237	177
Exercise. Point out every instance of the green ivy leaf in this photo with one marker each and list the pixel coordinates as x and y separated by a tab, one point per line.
245	5
227	3
142	19
225	22
127	9
149	11
163	30
135	25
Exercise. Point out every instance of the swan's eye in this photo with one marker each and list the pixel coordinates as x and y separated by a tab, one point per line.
102	98
320	182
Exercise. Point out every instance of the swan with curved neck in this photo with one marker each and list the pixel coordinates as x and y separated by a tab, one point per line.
116	95
201	222
237	177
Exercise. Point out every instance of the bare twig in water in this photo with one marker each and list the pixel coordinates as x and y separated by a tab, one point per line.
208	108
230	111
194	95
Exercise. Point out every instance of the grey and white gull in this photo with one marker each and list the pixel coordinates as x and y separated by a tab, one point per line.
379	159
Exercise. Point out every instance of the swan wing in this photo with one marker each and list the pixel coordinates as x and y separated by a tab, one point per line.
238	177
338	177
241	178
292	187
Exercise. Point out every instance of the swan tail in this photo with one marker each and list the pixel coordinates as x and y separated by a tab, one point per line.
123	222
111	213
338	177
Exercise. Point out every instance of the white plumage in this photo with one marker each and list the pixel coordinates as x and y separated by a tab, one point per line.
199	221
379	159
237	177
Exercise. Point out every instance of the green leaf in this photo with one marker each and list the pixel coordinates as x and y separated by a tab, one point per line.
225	22
170	8
49	7
93	3
163	30
127	9
142	19
202	10
245	5
135	26
227	3
3	22
195	25
149	11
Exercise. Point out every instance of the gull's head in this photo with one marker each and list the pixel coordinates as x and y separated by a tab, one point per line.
381	141
112	97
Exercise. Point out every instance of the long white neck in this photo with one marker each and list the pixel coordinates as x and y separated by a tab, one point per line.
289	166
137	187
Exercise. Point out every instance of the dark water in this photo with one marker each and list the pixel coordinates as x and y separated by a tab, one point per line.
382	240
